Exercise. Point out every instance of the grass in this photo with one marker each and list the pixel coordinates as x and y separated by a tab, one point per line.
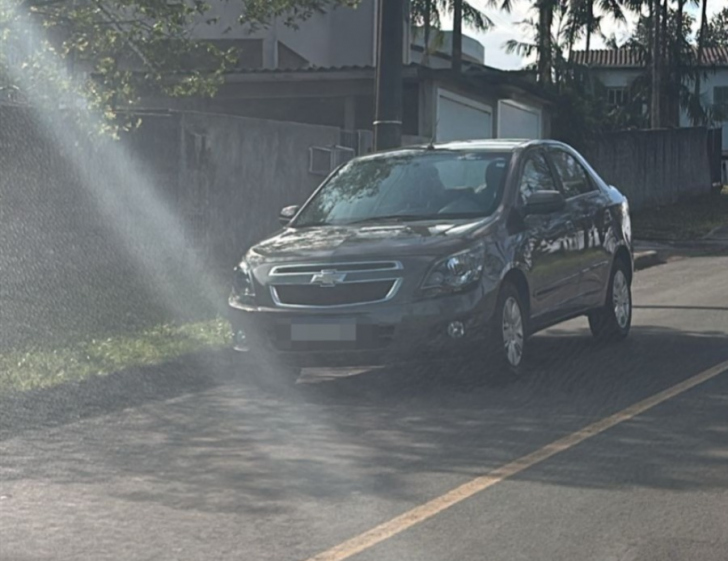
688	220
41	368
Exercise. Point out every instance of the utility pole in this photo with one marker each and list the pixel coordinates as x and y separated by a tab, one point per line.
457	37
388	110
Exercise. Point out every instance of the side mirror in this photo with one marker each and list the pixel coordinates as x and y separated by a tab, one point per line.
287	214
545	202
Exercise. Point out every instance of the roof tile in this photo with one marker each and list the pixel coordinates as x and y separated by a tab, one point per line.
629	58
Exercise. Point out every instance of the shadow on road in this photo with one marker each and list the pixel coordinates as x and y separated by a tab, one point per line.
240	447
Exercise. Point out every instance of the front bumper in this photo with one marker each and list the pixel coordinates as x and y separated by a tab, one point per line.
385	333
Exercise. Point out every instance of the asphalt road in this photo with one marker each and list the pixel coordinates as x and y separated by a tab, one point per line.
239	470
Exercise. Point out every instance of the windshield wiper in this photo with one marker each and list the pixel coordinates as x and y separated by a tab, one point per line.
416	217
394	218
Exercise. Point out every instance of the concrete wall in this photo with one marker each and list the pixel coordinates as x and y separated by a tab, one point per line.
124	235
248	170
64	269
654	167
353	35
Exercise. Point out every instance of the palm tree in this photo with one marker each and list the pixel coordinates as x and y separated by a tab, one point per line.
549	41
544	63
428	14
701	46
582	16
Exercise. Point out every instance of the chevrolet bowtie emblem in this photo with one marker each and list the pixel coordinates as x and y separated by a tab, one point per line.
328	278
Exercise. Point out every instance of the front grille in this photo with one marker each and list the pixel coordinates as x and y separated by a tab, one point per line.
339	295
373	266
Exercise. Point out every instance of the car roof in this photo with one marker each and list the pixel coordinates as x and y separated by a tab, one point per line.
477	145
485	144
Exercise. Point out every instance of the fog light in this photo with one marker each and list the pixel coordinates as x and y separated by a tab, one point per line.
456	330
240	342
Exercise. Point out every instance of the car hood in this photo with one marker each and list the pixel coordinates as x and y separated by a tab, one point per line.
381	240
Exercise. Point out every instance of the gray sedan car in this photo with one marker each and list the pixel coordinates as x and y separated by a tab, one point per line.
444	250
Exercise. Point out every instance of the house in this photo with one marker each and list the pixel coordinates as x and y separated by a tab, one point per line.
323	72
617	69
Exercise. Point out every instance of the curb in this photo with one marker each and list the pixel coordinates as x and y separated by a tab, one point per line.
646	259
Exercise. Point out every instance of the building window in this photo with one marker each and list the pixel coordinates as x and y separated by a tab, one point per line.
617	96
720	101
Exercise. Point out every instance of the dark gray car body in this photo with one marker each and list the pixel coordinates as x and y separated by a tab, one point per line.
560	261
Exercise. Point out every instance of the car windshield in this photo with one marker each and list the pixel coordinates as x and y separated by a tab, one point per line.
410	186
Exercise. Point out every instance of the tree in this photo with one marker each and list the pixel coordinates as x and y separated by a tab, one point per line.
583	18
428	15
702	35
549	41
677	61
124	48
716	32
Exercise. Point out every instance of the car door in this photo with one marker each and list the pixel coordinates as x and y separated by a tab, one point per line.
587	205
548	244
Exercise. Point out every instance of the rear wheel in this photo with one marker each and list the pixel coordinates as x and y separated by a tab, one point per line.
509	333
614	320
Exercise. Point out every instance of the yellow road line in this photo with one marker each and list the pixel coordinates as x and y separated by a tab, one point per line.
434	507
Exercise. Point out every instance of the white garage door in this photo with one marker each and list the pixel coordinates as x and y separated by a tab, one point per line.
516	120
460	118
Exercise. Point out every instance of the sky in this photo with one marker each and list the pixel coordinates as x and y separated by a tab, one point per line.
506	29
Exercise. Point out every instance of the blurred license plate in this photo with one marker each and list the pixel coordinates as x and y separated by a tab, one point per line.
318	331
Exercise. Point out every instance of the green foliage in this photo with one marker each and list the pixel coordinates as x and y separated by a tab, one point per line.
717	30
102	55
582	112
472	16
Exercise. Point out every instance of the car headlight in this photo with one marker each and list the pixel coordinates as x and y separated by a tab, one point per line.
243	287
456	272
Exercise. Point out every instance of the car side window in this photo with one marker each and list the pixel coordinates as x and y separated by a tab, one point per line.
574	178
536	176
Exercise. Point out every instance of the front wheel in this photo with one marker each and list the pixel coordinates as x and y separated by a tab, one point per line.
509	333
614	320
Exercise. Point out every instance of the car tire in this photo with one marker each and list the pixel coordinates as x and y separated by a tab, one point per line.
614	321
509	332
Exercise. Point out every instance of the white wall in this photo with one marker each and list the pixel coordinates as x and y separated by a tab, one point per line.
617	77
